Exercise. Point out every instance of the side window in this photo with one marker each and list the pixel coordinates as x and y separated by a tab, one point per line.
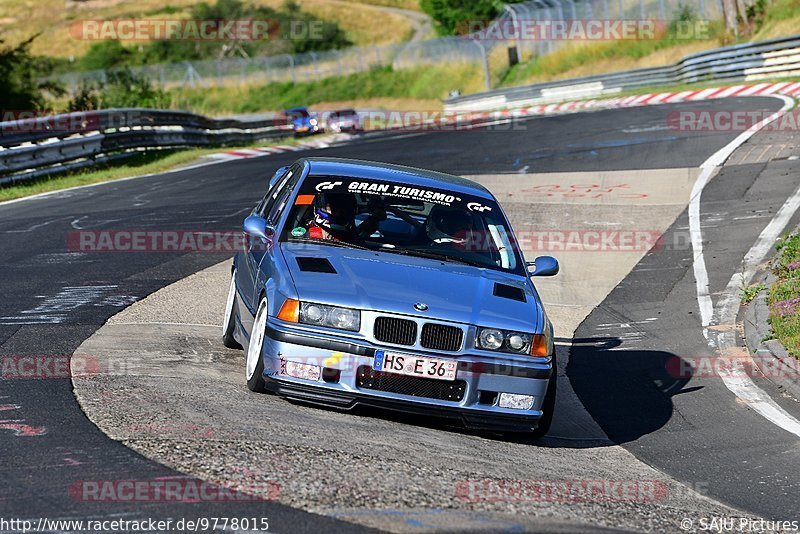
287	188
269	200
278	205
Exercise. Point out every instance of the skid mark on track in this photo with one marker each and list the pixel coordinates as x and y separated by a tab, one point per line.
55	309
18	426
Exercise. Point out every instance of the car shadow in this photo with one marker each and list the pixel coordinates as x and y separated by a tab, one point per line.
628	393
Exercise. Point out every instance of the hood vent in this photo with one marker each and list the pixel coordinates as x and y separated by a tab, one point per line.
315	265
509	292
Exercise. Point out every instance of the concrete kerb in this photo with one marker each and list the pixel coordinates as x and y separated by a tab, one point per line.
770	354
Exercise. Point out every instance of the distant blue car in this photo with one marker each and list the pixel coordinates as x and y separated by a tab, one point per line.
372	284
303	122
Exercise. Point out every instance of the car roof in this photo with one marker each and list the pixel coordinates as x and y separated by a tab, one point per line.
298	108
354	168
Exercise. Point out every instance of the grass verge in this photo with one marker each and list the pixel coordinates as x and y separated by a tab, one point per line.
784	295
432	82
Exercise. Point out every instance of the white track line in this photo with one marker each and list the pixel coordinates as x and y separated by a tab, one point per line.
725	312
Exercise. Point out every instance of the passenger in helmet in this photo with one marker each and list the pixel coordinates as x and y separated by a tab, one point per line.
448	225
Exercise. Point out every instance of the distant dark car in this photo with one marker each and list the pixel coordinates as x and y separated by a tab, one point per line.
303	122
344	120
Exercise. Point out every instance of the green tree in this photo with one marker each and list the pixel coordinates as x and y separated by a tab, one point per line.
456	17
121	89
19	89
106	55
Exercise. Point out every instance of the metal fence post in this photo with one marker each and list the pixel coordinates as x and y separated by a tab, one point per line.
291	68
516	26
487	76
574	9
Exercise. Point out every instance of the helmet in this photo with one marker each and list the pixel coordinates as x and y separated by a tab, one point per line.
448	225
335	211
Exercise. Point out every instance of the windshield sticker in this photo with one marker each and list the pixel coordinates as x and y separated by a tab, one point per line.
299	231
476	206
403	191
326	186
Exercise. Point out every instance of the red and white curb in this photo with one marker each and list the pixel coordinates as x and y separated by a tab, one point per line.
762	89
244	153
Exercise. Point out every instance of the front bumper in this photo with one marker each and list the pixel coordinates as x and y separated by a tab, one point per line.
481	380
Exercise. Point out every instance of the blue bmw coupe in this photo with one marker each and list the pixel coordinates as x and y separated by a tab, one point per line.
372	284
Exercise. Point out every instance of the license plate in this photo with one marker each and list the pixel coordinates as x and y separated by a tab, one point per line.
421	366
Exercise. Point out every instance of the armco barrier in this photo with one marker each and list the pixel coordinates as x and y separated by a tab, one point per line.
48	145
745	62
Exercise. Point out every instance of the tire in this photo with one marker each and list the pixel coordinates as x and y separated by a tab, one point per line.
254	364
229	324
548	406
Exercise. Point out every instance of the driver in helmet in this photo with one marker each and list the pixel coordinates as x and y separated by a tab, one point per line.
334	218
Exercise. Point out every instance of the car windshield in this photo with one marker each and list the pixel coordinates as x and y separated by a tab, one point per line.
402	219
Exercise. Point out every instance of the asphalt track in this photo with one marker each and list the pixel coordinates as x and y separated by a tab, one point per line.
53	299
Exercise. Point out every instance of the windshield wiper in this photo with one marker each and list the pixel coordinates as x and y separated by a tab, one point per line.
330	242
434	256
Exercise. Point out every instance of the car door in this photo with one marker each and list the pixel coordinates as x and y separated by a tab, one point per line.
254	251
270	265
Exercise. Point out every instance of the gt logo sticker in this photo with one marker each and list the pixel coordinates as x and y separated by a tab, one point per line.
474	206
324	186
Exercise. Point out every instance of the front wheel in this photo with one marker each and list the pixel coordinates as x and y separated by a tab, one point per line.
548	406
229	322
255	360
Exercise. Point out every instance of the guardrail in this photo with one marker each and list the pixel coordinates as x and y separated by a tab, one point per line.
49	145
748	62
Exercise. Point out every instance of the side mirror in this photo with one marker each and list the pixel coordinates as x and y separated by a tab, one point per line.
276	177
543	266
256	226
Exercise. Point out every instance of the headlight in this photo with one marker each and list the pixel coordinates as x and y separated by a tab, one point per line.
513	342
490	339
330	316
